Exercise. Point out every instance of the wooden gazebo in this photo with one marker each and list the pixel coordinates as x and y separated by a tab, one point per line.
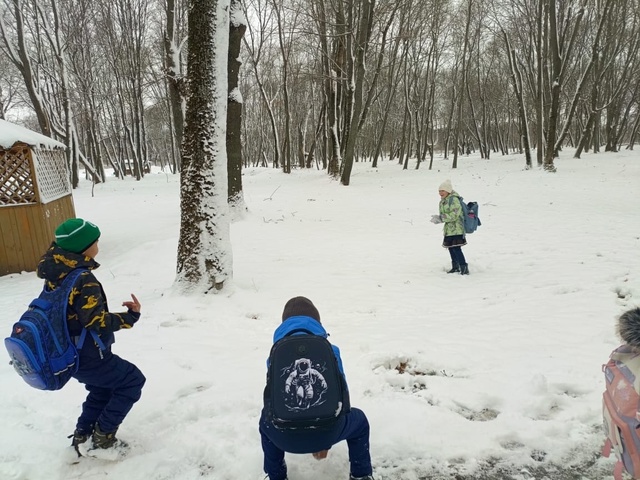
35	195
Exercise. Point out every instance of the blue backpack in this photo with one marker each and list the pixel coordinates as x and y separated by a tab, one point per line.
470	216
41	350
305	388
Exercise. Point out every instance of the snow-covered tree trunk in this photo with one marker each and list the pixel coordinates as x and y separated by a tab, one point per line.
174	78
204	248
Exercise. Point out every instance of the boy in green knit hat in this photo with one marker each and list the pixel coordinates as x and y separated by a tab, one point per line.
113	383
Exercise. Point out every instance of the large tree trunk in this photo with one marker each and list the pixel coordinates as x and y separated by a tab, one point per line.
237	28
204	249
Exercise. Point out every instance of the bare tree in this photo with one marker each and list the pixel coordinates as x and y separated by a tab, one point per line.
285	42
461	86
355	83
259	44
237	28
10	91
42	60
126	27
561	43
174	77
595	48
518	90
19	55
392	76
333	62
333	81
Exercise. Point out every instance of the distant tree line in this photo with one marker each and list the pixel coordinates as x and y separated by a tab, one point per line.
326	83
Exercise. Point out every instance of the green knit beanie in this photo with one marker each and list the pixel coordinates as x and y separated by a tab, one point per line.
76	235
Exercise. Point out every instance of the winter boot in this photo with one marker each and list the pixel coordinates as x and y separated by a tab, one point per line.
106	440
464	269
78	438
366	477
454	268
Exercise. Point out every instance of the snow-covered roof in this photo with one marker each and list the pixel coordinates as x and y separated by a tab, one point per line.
10	134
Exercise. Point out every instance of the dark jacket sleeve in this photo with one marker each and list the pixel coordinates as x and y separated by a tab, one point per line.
90	305
346	397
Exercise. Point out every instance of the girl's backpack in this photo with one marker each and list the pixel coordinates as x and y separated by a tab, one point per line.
470	218
621	410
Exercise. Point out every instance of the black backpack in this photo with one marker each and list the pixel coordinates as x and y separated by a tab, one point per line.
305	388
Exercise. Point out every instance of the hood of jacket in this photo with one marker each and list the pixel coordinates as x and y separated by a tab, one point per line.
299	322
56	264
452	195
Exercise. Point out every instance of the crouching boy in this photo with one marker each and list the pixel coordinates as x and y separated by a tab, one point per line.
113	384
306	400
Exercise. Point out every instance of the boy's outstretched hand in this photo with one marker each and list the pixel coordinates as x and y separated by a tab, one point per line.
133	306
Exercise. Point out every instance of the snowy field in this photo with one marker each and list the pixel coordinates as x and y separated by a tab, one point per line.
493	375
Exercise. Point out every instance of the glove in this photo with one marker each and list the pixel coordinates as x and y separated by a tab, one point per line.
435	219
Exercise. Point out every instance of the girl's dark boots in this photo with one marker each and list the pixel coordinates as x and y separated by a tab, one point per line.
464	269
454	268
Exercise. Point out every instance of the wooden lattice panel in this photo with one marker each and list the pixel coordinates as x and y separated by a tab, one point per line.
16	179
52	174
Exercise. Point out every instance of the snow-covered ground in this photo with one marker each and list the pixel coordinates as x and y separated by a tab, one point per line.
500	370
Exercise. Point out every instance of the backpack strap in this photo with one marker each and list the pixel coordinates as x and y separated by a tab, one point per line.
65	286
40	303
96	338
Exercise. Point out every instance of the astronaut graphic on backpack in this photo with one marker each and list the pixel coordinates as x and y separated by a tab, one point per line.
300	386
306	387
